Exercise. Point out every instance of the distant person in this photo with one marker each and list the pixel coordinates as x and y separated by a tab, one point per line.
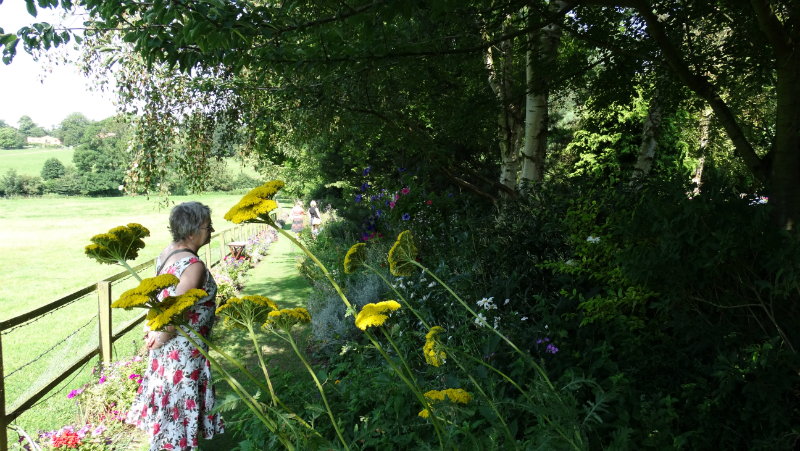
313	213
173	403
297	218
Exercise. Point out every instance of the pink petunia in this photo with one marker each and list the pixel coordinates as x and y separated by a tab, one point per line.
391	205
405	190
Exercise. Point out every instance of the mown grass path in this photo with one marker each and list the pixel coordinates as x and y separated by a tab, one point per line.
277	278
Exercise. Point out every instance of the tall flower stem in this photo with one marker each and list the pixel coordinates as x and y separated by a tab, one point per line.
251	403
495	331
511	381
129	269
261	361
428	327
319	387
417	393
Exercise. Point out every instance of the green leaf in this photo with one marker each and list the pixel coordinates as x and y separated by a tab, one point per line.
31	7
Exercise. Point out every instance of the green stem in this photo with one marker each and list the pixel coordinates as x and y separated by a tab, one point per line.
408	304
489	400
560	432
319	387
261	361
424	323
240	391
502	337
418	394
129	269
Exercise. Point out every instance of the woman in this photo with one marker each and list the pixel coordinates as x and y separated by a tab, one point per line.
297	218
176	394
313	214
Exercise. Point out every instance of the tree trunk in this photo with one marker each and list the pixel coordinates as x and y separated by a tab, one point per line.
508	121
785	192
650	131
705	123
542	51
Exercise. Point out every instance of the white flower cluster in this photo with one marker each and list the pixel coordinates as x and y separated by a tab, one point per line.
593	239
487	304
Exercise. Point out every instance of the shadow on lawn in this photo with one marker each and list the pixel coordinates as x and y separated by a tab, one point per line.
276	278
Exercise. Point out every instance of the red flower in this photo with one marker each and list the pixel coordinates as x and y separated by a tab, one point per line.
182	443
190	404
156	429
194	317
174	355
195	352
164	401
175	413
211	417
195	375
204	330
154	365
429	202
168	446
194	441
177	377
193	260
209	303
185	421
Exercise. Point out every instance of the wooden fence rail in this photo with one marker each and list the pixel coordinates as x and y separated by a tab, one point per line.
107	336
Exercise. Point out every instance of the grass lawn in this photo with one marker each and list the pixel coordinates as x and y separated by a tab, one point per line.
30	161
277	278
42	243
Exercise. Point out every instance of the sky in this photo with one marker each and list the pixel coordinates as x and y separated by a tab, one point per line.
47	97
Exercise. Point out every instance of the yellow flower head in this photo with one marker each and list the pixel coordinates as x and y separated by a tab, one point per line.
375	314
243	313
433	355
355	257
255	204
423	414
119	244
286	319
402	255
455	395
171	307
146	292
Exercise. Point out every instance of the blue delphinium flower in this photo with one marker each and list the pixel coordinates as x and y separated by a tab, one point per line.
378	213
451	195
358	198
401	169
364	186
372	199
366	170
406	217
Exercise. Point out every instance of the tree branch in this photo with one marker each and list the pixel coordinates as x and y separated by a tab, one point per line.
772	27
467	185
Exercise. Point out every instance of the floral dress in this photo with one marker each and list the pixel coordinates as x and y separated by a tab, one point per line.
176	393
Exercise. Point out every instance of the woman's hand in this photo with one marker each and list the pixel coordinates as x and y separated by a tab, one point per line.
152	340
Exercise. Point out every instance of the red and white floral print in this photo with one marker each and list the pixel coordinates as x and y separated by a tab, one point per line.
175	396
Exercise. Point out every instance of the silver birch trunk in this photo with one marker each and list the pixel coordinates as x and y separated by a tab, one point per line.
508	120
705	122
647	151
542	49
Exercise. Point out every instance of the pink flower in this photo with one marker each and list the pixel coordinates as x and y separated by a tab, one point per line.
405	190
182	443
154	365
156	428
174	355
190	404
177	377
195	375
102	380
194	317
195	352
175	413
391	205
168	446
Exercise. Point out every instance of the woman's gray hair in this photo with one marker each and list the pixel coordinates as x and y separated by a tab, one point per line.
313	203
186	219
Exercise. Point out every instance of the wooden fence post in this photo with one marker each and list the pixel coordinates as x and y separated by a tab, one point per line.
221	246
104	311
3	432
208	255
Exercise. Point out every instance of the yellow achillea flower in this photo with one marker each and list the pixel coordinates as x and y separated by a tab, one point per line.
119	244
286	319
375	314
433	355
455	395
402	254
355	257
257	203
173	306
146	292
243	313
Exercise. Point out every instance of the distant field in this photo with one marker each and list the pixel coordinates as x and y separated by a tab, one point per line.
30	161
41	243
